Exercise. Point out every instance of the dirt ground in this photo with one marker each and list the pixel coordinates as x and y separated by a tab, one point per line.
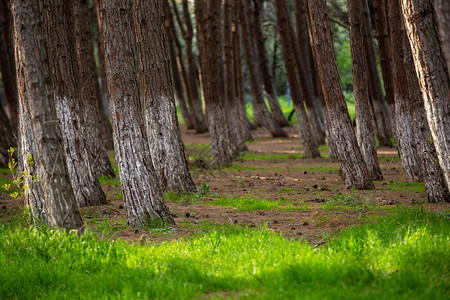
308	184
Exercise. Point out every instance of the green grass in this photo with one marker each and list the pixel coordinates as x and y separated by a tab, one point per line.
274	157
403	186
403	255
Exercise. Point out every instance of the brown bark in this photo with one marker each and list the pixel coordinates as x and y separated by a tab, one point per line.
69	105
7	64
364	118
142	196
177	66
433	177
192	74
81	39
442	14
230	80
384	49
255	80
156	98
240	94
223	148
51	197
267	77
310	145
433	75
353	167
406	144
7	139
381	113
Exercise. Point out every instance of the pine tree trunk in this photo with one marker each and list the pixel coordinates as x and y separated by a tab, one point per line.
7	64
81	39
51	196
156	98
433	75
433	176
207	13
384	49
7	139
194	100
69	105
353	167
141	193
255	81
364	118
381	113
267	77
442	13
230	80
406	144
310	144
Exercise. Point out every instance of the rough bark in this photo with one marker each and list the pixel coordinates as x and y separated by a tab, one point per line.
433	177
381	113
156	97
267	77
260	109
353	167
406	144
246	127
384	51
69	105
81	39
51	197
192	74
442	13
142	196
229	74
7	64
310	145
364	118
223	148
433	75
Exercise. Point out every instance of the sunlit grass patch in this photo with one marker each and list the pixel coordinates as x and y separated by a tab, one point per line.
403	186
273	157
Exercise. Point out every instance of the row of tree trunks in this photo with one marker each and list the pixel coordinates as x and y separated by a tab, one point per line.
7	64
69	104
93	114
260	109
230	82
267	77
364	117
310	145
142	195
431	69
406	143
51	197
353	166
157	100
223	146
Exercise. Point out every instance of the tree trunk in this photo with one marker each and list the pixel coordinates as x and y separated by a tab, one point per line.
7	140
353	167
156	97
177	67
255	80
381	114
194	100
364	118
230	78
142	196
247	127
384	49
433	177
207	13
51	196
442	11
433	75
310	144
7	64
267	77
406	143
89	93
69	105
